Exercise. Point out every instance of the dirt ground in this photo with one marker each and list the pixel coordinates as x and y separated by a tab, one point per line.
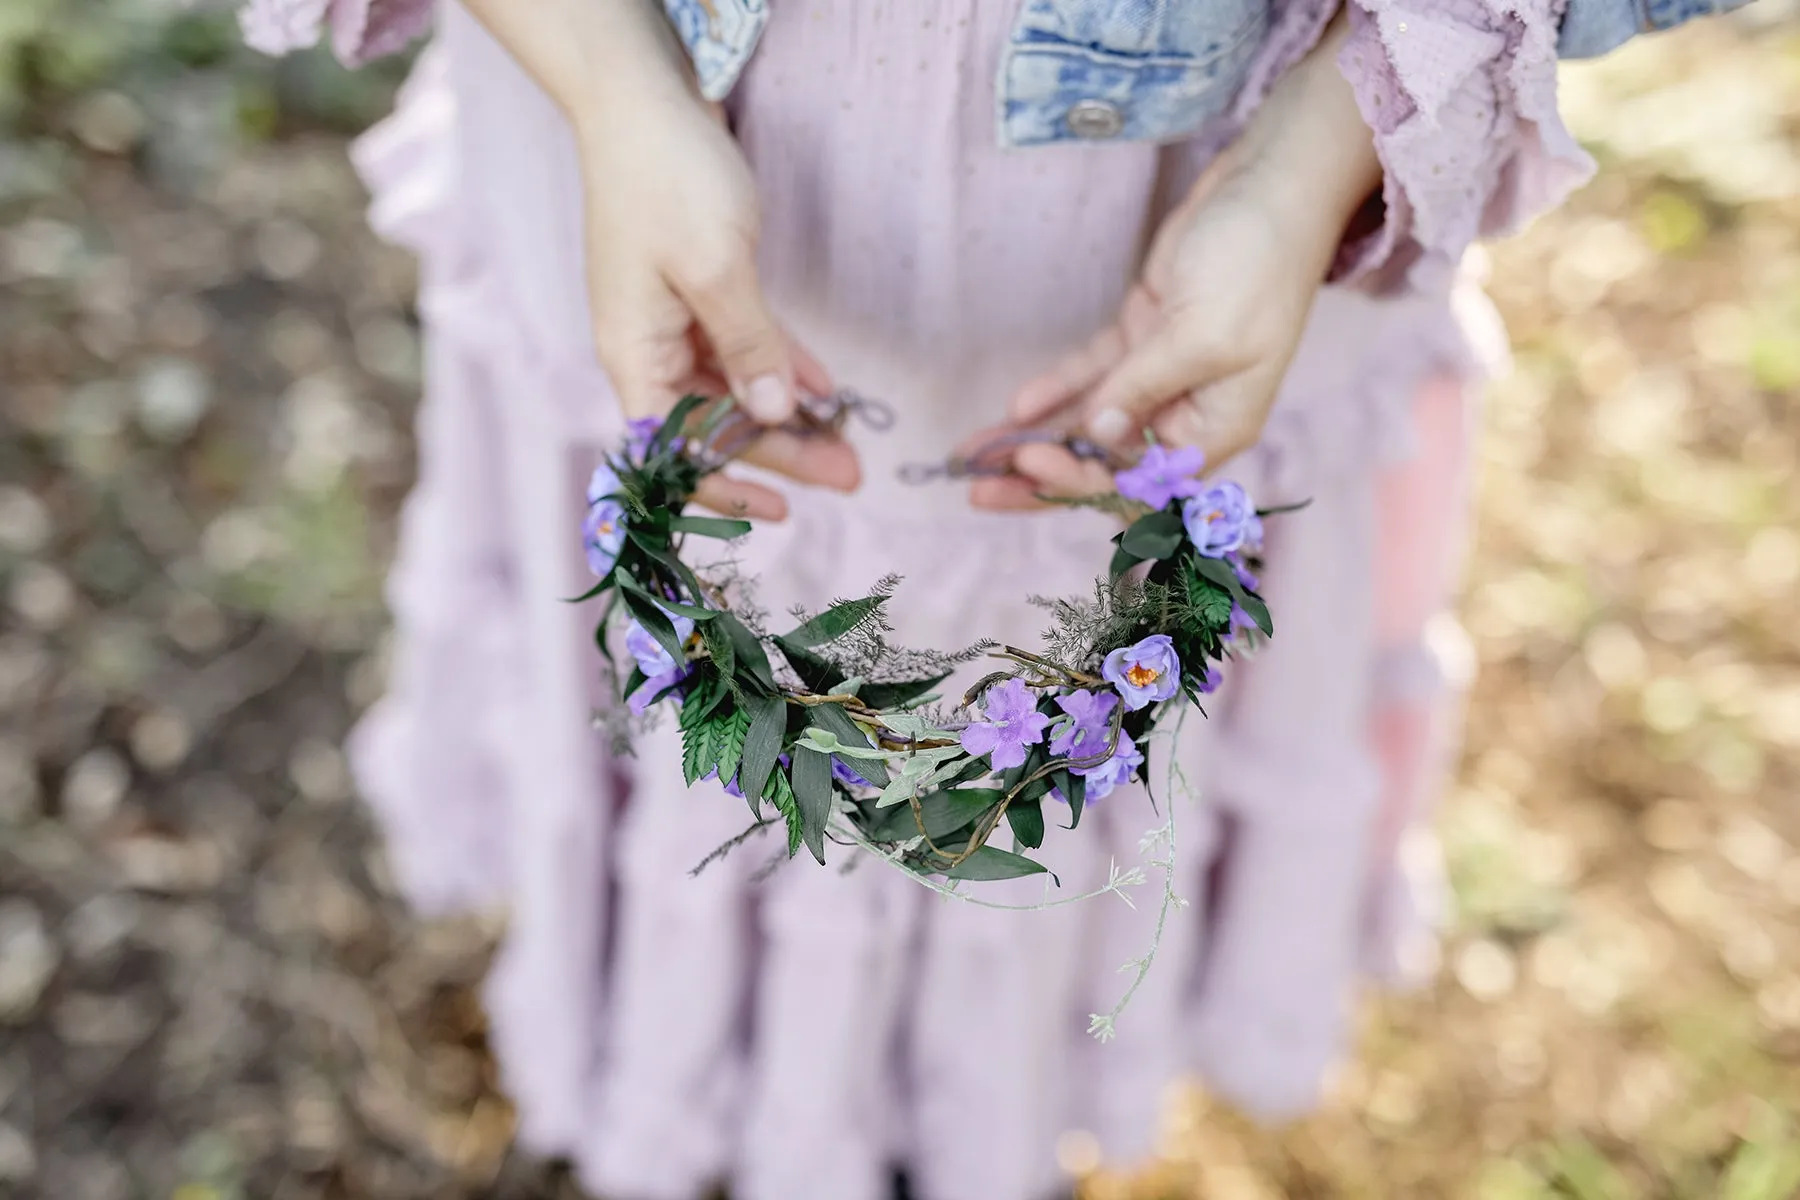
208	989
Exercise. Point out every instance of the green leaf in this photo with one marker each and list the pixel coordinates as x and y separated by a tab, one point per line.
719	646
705	694
898	695
835	622
1027	820
817	672
1074	790
812	789
781	794
748	649
762	743
991	862
1122	561
1259	612
943	812
655	622
712	527
673	424
697	751
1218	572
1155	535
832	717
1283	509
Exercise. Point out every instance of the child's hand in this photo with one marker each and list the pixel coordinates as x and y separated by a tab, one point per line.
671	223
1202	342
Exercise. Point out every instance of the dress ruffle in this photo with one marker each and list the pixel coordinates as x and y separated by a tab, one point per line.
361	30
1461	95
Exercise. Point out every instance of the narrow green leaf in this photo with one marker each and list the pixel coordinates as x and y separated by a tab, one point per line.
833	718
943	812
655	622
751	659
991	863
713	527
673	424
836	621
596	590
1074	790
1259	612
817	672
762	743
1027	820
812	790
1283	509
898	695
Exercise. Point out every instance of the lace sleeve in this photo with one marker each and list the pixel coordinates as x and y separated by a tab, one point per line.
1461	95
361	30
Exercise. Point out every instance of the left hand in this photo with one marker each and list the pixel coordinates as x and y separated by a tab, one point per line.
1202	341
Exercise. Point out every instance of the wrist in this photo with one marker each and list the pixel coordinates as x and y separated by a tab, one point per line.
1310	139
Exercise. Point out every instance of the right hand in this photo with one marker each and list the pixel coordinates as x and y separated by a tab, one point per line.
672	224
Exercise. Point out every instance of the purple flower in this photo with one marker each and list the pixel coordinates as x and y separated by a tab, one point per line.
1118	769
655	686
731	785
653	658
603	535
1212	680
1162	475
1013	723
660	669
638	434
603	483
1144	673
1242	622
1244	575
1220	519
1088	726
845	774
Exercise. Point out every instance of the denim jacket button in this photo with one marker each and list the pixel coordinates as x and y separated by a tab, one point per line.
1096	119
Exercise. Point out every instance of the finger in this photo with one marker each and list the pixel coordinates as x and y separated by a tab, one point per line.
1068	379
1171	362
1223	419
1056	472
1006	494
749	345
809	373
740	498
641	339
815	459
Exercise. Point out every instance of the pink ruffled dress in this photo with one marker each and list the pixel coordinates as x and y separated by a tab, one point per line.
798	1034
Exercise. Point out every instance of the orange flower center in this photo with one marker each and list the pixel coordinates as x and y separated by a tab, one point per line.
1141	676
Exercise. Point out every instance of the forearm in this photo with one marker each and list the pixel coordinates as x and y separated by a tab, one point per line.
593	57
1313	142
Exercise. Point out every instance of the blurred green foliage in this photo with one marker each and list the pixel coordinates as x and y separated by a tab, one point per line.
159	55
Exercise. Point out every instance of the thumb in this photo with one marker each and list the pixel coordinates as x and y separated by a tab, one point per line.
752	350
1170	364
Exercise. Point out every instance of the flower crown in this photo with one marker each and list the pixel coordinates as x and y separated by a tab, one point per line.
840	734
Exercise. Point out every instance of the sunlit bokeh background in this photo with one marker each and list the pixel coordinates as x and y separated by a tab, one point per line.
208	990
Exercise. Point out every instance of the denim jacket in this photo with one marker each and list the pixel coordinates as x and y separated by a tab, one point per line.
1130	70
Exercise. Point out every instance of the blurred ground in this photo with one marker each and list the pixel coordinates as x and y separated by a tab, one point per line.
207	988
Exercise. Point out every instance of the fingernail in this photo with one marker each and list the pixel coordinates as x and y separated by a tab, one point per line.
767	399
1109	425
